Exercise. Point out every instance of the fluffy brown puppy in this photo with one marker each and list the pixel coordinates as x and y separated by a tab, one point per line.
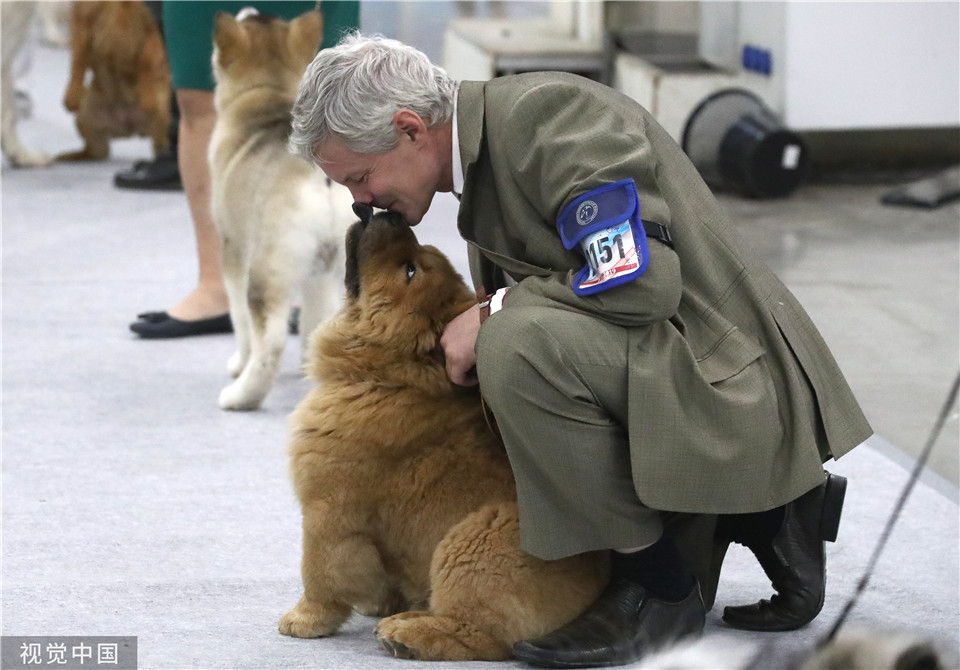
129	91
408	499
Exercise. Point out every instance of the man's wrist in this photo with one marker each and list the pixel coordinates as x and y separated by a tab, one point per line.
490	304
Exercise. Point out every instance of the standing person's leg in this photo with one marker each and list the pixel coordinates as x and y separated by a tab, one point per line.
188	30
197	120
205	309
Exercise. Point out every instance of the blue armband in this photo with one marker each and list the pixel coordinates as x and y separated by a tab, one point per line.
605	223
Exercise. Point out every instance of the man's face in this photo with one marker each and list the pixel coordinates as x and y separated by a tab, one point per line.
403	180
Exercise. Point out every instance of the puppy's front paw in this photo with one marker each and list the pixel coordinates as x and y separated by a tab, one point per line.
234	397
390	634
304	621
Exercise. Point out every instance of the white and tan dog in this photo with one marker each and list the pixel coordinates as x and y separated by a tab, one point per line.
282	221
16	19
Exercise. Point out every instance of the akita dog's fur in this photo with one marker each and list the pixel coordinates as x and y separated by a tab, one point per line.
281	220
408	499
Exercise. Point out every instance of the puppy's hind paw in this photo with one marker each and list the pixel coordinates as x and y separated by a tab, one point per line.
396	649
425	637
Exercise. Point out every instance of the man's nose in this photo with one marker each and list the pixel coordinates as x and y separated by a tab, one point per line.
361	195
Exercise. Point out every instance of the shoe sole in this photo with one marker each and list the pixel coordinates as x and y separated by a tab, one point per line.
835	490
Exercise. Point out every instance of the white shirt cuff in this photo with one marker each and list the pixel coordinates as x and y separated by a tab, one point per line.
496	301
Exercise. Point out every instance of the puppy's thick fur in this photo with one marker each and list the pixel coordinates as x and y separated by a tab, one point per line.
408	499
16	20
282	222
128	93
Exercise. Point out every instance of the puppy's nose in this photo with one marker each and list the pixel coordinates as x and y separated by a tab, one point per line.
363	211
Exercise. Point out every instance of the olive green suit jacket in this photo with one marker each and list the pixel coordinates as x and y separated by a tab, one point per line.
735	399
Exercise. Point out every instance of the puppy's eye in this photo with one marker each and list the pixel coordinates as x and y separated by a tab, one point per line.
411	270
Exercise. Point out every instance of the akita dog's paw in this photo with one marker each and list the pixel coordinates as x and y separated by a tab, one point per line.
234	397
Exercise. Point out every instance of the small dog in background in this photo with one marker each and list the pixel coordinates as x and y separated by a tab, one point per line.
16	19
128	93
282	221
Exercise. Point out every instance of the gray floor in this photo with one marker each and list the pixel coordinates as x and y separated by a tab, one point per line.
133	506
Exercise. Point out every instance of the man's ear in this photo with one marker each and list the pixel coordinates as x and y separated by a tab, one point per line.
408	122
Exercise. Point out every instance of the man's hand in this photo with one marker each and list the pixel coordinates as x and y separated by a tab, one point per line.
458	341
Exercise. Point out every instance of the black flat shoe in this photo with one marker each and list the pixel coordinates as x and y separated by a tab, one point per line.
160	174
793	558
624	624
160	325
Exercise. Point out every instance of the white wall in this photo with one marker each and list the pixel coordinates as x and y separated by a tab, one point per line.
871	64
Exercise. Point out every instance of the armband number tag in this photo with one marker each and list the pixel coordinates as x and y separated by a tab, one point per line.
605	225
610	253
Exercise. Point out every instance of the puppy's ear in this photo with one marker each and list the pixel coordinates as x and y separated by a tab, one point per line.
229	37
306	34
363	211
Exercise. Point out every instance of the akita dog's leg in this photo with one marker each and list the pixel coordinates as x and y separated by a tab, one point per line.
236	276
269	336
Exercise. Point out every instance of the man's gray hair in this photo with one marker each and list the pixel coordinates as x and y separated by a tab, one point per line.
351	92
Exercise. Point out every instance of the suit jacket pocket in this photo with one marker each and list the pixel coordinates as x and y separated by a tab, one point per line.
730	355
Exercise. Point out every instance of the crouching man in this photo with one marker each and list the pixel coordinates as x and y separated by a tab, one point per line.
659	391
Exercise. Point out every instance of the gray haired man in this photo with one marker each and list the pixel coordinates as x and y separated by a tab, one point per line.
659	391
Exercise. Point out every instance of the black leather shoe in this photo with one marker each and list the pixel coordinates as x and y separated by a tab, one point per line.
794	559
160	325
160	174
625	623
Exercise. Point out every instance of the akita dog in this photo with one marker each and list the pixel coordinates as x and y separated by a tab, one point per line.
281	220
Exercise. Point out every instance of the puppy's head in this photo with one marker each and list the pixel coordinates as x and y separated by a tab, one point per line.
400	292
254	49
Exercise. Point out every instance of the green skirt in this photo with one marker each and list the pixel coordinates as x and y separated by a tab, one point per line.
188	31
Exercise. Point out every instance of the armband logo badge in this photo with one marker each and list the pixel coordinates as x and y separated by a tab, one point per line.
605	225
586	212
